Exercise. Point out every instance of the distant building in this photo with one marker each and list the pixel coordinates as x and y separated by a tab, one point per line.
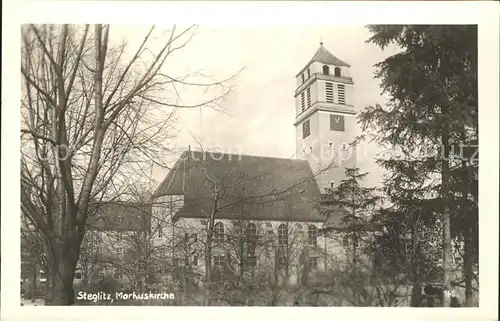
115	233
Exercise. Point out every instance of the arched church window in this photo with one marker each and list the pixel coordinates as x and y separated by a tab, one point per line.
337	72
251	238
326	70
282	234
251	232
219	233
312	235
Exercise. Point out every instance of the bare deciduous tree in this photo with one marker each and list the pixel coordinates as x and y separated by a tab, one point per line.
93	115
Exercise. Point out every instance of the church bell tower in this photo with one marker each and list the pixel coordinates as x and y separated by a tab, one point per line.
325	119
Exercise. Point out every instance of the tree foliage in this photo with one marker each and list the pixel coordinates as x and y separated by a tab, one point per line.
428	127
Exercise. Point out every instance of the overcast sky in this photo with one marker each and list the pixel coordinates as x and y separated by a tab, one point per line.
261	107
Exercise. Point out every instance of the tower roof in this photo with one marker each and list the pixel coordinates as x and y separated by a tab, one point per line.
325	57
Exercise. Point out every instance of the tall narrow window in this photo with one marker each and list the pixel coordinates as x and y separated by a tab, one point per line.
251	239
303	101
282	234
281	259
308	73
326	70
219	233
306	130
303	78
337	72
251	232
312	235
329	92
308	94
341	94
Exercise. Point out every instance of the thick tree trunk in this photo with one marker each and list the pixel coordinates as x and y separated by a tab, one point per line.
208	270
61	271
445	178
416	275
208	250
34	281
468	243
468	264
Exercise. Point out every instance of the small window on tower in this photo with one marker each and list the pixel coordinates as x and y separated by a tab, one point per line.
332	184
345	146
308	73
306	130
337	72
326	70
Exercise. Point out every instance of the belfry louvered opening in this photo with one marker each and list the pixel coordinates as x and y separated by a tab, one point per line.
308	94
341	94
329	92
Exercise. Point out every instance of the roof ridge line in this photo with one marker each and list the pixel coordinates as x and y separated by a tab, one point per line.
249	155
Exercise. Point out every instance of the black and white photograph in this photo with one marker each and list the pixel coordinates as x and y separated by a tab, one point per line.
281	165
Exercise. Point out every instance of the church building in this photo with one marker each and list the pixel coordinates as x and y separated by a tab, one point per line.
267	211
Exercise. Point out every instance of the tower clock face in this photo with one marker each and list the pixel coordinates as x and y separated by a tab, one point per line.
337	122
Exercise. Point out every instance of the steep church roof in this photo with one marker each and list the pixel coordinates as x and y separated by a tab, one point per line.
119	216
252	187
324	56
